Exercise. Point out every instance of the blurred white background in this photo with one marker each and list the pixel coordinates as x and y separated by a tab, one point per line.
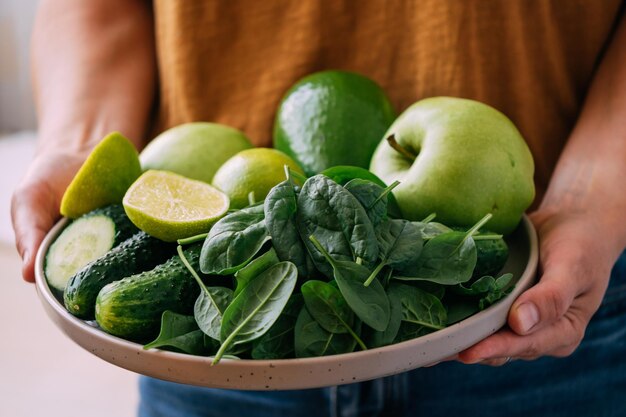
42	373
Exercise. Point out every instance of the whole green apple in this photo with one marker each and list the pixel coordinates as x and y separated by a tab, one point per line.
460	159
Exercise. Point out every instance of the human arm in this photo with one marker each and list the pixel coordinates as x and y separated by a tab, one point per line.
94	71
581	224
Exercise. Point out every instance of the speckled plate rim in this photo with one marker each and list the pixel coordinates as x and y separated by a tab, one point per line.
286	373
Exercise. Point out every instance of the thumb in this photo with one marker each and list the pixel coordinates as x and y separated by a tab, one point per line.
34	209
546	302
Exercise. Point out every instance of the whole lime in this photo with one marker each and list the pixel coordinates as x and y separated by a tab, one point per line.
194	150
332	118
249	175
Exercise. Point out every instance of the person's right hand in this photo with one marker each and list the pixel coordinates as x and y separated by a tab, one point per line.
36	201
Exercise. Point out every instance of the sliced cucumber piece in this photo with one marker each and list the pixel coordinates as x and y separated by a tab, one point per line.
84	240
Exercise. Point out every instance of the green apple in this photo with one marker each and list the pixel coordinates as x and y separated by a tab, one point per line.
194	150
460	159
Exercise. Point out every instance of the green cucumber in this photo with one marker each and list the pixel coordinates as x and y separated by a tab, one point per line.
132	308
138	253
84	240
491	256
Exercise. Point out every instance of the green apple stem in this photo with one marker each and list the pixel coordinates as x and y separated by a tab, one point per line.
384	193
391	140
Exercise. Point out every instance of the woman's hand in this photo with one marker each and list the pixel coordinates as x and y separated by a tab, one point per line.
36	201
551	317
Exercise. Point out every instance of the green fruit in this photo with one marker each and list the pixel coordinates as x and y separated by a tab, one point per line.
469	160
169	206
248	176
104	177
194	150
332	118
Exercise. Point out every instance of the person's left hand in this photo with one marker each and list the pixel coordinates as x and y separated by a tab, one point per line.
550	318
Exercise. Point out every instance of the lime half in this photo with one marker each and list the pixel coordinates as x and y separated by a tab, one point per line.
169	206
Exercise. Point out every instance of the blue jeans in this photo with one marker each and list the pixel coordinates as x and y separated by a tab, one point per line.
589	383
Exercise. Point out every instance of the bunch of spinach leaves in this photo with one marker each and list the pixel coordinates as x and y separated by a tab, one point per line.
324	268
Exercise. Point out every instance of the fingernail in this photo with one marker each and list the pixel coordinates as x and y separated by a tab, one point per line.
528	316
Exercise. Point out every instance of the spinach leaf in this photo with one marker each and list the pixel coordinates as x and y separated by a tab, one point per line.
210	304
278	342
233	241
447	259
386	337
329	212
372	197
400	244
281	207
209	309
422	312
429	230
181	333
488	288
459	308
327	306
312	340
257	307
370	303
254	268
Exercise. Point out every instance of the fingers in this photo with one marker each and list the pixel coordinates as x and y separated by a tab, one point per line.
34	209
559	340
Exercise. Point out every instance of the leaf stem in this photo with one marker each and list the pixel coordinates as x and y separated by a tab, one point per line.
384	193
185	262
192	239
429	218
320	248
490	236
193	272
357	338
374	273
251	199
297	175
471	232
391	140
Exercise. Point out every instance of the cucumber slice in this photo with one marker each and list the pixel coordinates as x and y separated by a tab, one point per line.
84	240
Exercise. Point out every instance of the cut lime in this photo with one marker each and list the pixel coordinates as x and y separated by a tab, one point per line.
103	178
169	206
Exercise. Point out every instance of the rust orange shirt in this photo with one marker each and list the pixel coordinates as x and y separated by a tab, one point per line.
231	61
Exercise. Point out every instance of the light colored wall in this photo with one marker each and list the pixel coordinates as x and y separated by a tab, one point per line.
16	104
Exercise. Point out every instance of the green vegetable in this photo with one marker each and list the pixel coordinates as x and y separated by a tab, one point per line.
334	216
181	333
421	312
233	241
372	197
448	258
312	340
278	342
132	307
85	240
488	288
139	253
257	307
369	303
254	268
491	255
400	244
326	305
386	337
280	219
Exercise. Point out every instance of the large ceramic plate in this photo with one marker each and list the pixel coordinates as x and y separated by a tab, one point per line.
296	373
